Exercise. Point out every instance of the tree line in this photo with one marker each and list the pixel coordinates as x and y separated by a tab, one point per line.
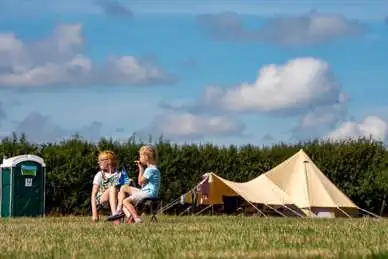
359	167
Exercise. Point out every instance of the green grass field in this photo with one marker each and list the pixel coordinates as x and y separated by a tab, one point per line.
193	237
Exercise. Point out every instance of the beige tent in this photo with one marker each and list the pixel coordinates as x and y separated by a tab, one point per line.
212	189
309	188
297	185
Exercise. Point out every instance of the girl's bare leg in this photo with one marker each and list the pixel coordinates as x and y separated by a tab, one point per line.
131	209
122	194
129	206
126	212
124	190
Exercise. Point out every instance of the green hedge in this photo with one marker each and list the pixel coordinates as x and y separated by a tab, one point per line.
358	167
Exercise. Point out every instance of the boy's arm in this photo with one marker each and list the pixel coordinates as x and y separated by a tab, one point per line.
93	202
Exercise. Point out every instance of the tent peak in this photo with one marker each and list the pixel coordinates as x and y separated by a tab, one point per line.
302	152
306	158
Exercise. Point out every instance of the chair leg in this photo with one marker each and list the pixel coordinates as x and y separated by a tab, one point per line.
153	212
153	217
152	209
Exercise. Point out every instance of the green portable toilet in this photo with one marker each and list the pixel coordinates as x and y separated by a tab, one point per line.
22	186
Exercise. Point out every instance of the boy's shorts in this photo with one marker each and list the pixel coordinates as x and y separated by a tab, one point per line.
100	205
98	197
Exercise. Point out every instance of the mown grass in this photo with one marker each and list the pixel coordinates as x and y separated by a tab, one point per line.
193	237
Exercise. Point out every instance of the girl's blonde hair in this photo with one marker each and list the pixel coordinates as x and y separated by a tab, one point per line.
110	155
150	153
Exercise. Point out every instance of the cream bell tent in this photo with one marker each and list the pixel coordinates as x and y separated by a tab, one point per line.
297	185
212	189
309	188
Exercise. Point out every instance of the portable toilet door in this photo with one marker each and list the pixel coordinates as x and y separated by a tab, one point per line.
22	186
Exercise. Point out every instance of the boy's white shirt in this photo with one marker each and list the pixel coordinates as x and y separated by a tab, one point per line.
98	177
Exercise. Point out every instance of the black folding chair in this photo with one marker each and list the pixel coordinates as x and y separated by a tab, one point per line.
149	205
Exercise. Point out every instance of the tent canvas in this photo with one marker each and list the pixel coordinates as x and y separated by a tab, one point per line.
296	184
309	188
212	189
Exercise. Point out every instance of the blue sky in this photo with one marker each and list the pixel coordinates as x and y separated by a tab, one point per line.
224	72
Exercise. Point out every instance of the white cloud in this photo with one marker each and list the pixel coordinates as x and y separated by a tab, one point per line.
371	126
127	69
67	37
326	115
301	30
310	29
302	87
299	84
50	73
181	125
9	43
58	60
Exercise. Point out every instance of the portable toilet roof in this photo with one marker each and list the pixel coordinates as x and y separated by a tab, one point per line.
13	161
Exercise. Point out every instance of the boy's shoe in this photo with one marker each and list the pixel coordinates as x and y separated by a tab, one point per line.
117	215
116	222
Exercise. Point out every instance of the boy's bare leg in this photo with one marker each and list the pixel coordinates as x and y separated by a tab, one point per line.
112	199
104	198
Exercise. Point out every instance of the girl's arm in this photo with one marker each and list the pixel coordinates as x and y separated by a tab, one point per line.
93	201
140	178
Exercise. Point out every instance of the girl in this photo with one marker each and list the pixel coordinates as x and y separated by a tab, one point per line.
148	179
104	191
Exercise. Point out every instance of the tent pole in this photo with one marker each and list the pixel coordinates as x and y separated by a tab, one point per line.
296	213
311	212
282	213
370	213
183	212
307	184
167	206
256	208
275	210
203	210
171	204
344	212
382	206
